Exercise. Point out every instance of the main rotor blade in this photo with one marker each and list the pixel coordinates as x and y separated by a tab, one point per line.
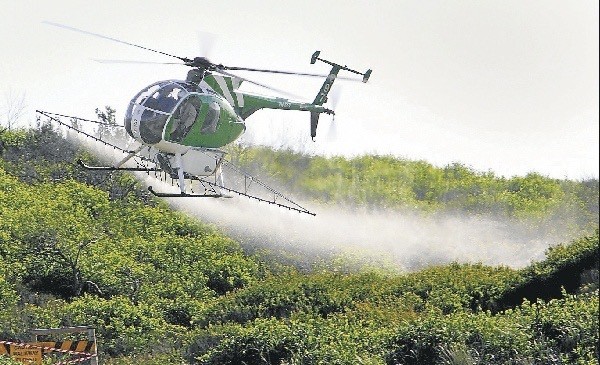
258	84
206	42
113	39
138	62
232	68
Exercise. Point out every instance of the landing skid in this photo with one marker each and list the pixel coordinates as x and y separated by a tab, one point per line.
185	195
112	168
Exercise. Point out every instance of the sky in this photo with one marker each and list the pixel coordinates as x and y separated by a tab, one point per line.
504	86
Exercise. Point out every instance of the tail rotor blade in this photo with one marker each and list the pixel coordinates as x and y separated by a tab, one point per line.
334	97
332	133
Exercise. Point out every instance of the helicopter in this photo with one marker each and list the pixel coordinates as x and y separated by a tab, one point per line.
181	126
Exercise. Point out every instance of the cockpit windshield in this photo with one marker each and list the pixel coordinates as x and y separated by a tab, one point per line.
150	109
164	99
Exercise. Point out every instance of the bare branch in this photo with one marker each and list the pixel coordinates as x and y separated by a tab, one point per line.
13	108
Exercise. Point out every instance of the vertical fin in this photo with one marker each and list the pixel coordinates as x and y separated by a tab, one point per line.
314	121
321	97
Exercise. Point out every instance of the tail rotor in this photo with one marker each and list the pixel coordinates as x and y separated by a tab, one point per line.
334	99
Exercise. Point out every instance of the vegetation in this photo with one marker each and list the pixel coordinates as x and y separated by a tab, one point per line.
92	248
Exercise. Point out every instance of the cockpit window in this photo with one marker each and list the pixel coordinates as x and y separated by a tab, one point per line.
151	108
165	98
152	124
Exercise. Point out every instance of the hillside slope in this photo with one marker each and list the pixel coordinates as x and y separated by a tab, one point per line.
82	248
391	182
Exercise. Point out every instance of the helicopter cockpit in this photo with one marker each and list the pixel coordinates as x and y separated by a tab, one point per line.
150	109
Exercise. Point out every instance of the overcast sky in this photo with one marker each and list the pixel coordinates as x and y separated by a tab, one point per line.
507	86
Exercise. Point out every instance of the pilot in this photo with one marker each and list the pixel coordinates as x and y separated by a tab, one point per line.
212	119
162	100
166	100
188	111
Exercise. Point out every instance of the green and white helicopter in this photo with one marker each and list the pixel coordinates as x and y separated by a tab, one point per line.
180	126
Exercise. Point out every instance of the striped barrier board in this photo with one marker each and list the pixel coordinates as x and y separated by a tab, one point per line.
76	346
31	353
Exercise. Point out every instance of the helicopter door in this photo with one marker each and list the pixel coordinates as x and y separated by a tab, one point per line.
184	117
212	118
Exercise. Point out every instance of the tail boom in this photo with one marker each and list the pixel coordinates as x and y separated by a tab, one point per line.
251	103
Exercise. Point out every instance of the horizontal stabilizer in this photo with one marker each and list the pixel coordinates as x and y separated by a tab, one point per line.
337	67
